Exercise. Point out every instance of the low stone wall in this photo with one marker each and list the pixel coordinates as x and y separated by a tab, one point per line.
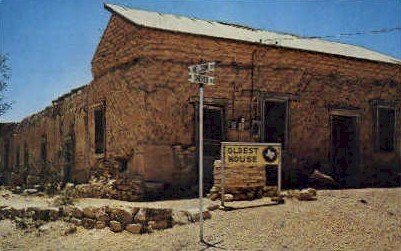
135	220
241	183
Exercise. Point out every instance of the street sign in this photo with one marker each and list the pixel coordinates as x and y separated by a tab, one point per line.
201	79
196	73
242	154
201	68
251	154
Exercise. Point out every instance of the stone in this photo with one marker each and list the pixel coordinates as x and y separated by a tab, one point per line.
194	216
141	216
9	213
214	189
44	229
20	223
124	216
115	226
213	207
180	218
70	230
38	187
90	212
53	214
214	196
158	214
88	223
278	199
159	225
100	224
321	180
135	211
69	186
73	211
228	197
30	191
306	194
75	221
135	228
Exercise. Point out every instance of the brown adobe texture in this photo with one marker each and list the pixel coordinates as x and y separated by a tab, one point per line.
141	80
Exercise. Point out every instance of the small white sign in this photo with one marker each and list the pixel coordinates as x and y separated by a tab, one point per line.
201	68
201	79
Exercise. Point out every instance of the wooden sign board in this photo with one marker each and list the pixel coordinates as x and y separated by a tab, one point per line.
250	154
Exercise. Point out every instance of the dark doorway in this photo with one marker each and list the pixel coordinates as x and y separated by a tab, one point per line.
345	153
6	159
69	157
275	122
213	134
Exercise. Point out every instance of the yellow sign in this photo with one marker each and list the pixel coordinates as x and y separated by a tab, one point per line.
251	154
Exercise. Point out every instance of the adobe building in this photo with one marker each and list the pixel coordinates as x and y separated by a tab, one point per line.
332	106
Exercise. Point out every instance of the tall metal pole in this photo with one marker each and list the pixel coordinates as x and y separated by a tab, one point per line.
201	162
222	176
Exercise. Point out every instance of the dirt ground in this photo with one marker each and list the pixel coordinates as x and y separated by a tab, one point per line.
364	219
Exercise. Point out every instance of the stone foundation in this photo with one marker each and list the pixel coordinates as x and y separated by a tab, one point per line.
243	183
132	219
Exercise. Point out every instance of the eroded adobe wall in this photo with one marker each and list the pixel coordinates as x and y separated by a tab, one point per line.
141	79
154	63
64	120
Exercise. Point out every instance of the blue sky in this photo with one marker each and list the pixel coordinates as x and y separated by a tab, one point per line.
50	43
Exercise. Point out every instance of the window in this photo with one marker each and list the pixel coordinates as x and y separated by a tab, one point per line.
43	148
385	134
275	122
100	127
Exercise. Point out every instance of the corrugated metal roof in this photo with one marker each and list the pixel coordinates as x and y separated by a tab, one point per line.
243	33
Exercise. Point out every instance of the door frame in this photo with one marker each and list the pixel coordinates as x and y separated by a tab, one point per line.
346	113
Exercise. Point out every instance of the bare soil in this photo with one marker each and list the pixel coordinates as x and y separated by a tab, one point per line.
363	219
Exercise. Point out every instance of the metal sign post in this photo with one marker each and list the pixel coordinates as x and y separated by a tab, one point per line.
201	162
197	76
222	176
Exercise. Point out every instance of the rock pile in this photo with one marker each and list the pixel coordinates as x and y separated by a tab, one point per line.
307	194
239	193
134	220
109	181
35	213
245	183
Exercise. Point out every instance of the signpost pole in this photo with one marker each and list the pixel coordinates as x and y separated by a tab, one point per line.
223	166
201	162
197	75
279	178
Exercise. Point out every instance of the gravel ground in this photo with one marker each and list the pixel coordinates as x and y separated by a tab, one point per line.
365	219
21	201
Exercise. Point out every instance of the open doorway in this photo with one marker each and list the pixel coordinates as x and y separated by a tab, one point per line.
275	122
213	135
345	149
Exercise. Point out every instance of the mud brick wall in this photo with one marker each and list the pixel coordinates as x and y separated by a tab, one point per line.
141	79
